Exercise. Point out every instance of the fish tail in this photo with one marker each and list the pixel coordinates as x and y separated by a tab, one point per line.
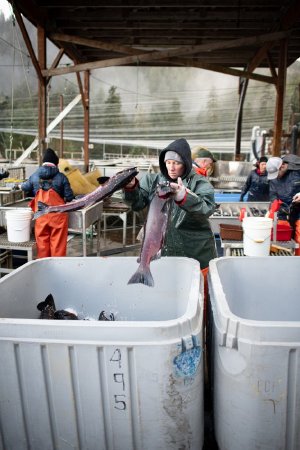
142	275
42	209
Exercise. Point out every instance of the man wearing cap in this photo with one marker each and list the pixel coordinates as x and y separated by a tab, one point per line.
48	185
189	232
284	176
203	161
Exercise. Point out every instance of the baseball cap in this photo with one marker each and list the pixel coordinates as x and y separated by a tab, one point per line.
273	166
202	152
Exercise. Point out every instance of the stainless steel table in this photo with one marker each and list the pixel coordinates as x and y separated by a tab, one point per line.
82	219
79	221
7	248
120	210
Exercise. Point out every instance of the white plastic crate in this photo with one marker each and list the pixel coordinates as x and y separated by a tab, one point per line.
136	383
256	352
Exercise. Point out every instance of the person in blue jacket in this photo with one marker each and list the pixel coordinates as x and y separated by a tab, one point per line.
257	184
48	185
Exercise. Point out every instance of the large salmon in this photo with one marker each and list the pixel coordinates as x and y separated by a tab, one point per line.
113	184
154	233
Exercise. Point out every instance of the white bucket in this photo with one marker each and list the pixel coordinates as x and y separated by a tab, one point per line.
257	236
18	225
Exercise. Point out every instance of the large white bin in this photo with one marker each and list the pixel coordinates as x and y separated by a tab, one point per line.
256	357
136	383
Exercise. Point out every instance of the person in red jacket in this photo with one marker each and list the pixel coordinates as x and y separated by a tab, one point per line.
203	161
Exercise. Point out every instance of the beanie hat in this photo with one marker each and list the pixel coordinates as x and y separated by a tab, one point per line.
50	156
262	159
202	152
174	156
273	166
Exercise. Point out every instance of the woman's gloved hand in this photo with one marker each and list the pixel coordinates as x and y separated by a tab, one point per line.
178	189
296	198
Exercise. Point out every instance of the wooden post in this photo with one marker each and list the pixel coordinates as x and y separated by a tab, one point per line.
42	94
61	148
280	90
86	119
238	125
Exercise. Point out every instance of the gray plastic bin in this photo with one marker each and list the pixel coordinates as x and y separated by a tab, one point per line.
256	357
136	383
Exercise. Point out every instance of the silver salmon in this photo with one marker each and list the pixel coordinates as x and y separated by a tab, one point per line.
113	184
154	233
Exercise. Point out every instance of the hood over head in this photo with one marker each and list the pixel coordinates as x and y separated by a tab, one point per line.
182	148
293	161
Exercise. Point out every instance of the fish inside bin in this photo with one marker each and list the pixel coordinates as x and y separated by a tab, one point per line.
89	286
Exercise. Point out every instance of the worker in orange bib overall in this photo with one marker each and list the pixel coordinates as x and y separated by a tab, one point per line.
52	187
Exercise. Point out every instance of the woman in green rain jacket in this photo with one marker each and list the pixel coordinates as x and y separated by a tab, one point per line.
189	233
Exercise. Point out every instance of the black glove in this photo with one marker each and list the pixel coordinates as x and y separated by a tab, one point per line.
4	175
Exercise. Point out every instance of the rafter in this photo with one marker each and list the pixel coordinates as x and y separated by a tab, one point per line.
158	55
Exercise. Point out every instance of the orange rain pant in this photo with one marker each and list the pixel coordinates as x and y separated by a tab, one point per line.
51	230
297	237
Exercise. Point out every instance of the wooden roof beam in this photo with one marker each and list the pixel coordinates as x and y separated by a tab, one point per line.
56	61
189	62
158	55
95	43
28	44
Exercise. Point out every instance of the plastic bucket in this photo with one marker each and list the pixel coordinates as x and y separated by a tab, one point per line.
257	236
18	225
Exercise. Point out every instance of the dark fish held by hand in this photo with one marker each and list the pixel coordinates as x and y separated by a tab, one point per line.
113	184
154	233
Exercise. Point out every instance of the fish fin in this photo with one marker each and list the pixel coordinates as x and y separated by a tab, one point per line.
166	208
49	301
156	256
102	180
41	210
142	275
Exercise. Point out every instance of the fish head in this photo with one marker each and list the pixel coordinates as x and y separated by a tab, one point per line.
163	189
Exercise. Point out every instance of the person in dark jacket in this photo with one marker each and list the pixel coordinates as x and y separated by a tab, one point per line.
4	174
284	186
257	184
52	187
189	232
